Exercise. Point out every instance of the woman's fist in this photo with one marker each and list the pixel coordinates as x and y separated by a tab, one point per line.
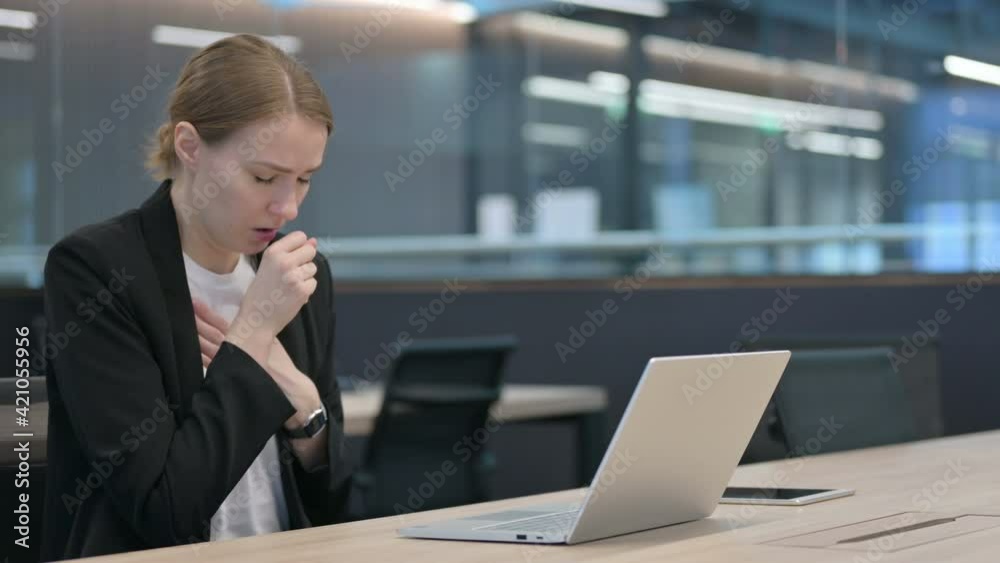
285	279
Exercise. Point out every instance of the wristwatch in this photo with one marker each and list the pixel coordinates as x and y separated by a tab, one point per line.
314	425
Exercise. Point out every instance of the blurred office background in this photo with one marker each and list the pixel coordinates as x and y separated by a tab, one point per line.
706	153
850	95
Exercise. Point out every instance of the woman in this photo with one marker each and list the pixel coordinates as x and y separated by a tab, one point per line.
146	447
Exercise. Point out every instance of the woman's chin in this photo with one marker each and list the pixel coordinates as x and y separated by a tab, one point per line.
256	247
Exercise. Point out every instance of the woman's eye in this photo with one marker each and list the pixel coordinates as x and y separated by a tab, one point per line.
304	181
263	180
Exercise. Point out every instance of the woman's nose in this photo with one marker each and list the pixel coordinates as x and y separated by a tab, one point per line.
286	207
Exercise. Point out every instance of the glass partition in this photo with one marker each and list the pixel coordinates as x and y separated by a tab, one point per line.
529	139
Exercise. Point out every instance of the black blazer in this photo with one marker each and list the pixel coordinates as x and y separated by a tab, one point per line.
142	448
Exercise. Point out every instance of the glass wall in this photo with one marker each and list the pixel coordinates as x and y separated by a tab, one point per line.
530	139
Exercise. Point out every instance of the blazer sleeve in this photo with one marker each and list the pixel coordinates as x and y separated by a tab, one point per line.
168	477
324	489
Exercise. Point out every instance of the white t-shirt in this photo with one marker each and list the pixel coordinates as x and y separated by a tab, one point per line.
257	504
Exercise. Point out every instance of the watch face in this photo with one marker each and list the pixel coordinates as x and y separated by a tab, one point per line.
316	424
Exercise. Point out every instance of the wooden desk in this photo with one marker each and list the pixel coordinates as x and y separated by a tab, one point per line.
584	405
890	480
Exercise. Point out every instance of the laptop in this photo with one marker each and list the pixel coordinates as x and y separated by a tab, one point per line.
684	431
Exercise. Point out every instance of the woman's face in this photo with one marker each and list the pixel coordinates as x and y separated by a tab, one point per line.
249	186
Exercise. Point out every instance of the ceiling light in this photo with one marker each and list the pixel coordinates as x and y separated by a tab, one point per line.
778	68
651	8
789	114
460	12
709	54
18	19
554	134
17	50
198	38
607	89
457	11
823	142
572	91
973	70
571	30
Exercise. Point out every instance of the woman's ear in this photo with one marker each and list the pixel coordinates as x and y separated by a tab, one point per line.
187	144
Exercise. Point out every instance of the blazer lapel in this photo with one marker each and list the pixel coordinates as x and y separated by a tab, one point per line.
159	225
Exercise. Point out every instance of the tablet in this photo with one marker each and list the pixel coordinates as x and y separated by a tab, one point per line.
780	497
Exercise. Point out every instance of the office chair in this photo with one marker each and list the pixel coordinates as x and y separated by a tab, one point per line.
841	399
426	450
920	377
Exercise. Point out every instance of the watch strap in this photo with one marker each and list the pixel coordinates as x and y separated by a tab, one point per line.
314	425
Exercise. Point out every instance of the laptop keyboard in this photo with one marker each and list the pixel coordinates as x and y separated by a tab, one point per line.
557	522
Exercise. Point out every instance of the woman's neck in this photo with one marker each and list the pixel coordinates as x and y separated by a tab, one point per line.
195	240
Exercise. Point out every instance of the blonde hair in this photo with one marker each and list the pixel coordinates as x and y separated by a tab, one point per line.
229	85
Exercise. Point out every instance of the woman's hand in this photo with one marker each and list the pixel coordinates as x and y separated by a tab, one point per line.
298	388
283	284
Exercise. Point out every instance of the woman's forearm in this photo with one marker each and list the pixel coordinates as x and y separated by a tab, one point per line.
312	452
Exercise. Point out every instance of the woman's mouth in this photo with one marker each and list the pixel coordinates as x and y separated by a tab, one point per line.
265	235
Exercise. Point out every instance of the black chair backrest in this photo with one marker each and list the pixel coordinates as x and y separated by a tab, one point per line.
425	449
842	399
918	368
918	371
